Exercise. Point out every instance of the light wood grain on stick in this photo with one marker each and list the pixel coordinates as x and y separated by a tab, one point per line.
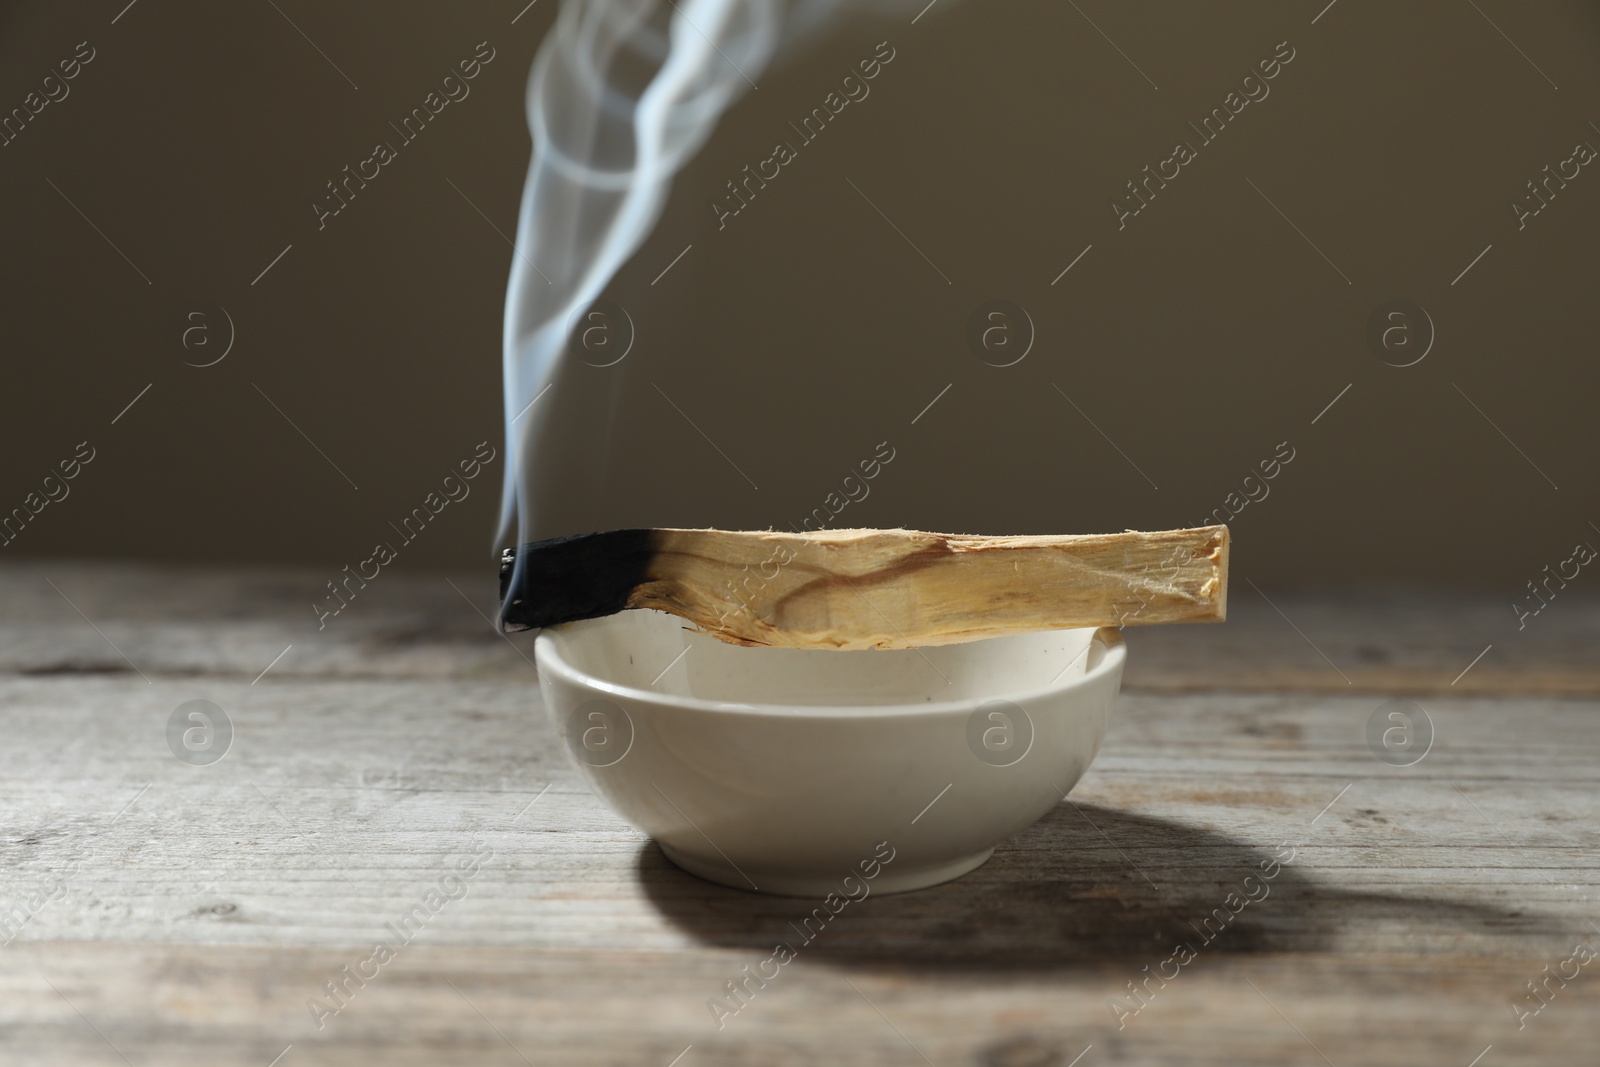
855	589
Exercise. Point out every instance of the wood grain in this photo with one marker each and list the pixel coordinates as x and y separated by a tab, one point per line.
856	589
204	906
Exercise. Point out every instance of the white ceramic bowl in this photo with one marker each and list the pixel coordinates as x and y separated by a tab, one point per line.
789	771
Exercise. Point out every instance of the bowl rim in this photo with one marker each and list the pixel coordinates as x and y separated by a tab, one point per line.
547	650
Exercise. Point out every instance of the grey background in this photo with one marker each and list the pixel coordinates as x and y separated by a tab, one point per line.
809	329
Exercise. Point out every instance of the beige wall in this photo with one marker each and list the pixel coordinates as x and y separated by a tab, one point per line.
1199	337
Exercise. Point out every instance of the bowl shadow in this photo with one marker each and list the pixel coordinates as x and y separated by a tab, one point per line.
1083	886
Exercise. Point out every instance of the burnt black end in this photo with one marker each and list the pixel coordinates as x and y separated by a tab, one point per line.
568	578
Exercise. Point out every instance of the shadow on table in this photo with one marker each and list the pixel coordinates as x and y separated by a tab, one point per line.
1067	892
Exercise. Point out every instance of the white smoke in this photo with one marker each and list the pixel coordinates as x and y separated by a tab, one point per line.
622	94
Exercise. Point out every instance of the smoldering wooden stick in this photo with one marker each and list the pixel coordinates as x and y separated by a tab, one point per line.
855	589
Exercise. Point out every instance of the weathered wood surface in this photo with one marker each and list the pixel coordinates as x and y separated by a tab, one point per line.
198	909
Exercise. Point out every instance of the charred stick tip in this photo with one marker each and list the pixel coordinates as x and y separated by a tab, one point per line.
564	579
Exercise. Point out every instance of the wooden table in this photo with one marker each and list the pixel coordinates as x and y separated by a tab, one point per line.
165	913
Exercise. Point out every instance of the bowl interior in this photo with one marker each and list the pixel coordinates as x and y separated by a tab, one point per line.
660	653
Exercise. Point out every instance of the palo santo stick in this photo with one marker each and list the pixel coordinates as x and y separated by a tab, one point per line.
854	589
